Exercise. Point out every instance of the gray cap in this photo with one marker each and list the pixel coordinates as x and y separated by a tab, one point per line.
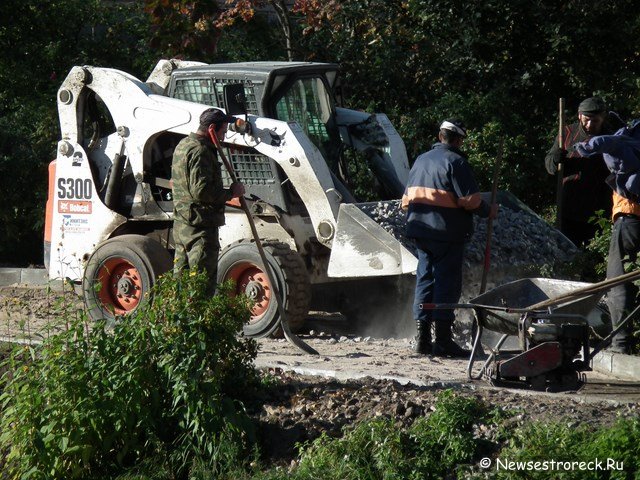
592	106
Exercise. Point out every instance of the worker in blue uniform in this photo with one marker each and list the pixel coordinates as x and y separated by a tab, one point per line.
440	198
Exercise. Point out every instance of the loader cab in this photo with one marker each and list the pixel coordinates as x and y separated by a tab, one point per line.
299	92
306	97
288	91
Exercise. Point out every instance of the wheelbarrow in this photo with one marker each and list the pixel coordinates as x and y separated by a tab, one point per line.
550	319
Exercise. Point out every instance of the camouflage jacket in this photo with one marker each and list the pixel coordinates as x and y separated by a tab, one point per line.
198	194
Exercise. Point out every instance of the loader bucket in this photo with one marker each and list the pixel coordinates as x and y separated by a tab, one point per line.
363	248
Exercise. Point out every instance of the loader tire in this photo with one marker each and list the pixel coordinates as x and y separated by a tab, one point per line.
120	274
241	263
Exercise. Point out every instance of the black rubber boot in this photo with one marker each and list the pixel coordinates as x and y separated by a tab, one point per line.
423	338
444	345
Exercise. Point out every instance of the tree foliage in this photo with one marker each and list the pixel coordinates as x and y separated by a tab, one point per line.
246	10
499	65
39	43
493	62
184	28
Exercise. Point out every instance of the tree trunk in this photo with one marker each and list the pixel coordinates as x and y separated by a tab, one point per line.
285	21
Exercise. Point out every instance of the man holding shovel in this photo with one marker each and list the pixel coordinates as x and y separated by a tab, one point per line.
199	197
583	190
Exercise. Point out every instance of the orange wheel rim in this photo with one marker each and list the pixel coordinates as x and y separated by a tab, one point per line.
253	282
120	285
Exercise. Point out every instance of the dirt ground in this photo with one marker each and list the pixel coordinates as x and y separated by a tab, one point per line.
343	354
354	377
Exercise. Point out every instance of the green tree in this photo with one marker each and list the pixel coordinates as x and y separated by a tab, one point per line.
498	61
184	28
39	42
498	64
246	10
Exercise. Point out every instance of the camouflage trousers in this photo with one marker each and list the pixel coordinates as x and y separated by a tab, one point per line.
197	248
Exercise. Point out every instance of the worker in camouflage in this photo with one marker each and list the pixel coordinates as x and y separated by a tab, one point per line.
199	197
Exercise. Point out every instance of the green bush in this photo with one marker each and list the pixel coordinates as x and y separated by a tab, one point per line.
443	445
432	447
444	440
561	442
163	387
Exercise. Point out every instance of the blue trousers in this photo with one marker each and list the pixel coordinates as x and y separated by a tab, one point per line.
438	278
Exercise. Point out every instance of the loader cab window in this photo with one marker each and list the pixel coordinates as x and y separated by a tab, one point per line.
307	102
210	91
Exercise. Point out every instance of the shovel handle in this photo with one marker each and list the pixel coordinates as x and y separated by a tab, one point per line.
560	173
494	193
293	339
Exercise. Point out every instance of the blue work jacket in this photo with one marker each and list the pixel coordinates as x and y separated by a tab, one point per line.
621	153
441	195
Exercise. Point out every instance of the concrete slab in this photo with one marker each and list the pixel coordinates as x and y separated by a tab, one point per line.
617	365
30	277
34	276
9	276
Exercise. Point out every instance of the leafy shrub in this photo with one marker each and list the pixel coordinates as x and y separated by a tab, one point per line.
430	448
538	442
621	442
445	439
168	378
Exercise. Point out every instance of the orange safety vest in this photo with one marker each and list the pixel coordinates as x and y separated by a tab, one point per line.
623	205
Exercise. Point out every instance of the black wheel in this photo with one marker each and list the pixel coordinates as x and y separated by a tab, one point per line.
120	272
241	263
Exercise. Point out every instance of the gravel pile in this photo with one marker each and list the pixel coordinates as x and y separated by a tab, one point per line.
519	237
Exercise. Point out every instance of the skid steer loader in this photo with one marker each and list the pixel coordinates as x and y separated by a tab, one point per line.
109	207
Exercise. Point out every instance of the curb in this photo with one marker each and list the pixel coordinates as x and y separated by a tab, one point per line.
346	375
355	375
617	364
27	276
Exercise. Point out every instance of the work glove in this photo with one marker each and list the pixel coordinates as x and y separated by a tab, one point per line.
241	127
559	156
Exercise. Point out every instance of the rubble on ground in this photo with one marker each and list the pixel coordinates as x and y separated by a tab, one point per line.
301	408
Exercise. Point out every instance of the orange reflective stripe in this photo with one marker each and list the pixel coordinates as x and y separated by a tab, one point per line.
431	196
470	202
405	202
51	193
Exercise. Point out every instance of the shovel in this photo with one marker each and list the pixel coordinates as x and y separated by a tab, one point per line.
288	334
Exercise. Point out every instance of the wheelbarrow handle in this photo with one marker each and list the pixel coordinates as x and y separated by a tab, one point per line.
587	291
476	306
